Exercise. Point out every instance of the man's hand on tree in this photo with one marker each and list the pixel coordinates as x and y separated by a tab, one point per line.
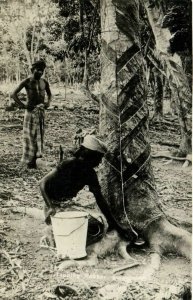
125	234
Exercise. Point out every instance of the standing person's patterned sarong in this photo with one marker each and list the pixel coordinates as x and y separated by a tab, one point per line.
33	134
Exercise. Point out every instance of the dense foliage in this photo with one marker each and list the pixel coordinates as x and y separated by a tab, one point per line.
65	33
81	21
34	31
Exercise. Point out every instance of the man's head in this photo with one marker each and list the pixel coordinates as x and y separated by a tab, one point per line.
38	68
92	150
92	143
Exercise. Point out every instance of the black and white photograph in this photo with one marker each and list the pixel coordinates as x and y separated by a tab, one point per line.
96	149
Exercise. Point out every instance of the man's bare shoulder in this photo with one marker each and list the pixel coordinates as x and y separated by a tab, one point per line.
26	82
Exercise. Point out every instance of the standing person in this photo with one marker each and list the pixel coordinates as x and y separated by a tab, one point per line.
71	175
33	126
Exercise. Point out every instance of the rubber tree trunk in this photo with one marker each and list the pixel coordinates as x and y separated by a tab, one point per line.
126	175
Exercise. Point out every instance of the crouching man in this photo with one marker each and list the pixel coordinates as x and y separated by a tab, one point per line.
71	175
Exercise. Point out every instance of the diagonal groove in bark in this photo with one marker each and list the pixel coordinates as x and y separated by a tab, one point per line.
128	91
135	117
128	137
126	56
133	133
131	193
130	111
136	165
139	171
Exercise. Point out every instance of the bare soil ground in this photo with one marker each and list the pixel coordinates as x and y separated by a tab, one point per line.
31	272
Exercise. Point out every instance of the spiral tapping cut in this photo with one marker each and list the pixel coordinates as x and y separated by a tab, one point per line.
127	178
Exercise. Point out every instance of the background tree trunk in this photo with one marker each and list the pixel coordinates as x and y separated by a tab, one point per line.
126	175
158	95
179	77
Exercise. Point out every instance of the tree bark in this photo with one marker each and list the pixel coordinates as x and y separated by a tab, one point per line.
126	175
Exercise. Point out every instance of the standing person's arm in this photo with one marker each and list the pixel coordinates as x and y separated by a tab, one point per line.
15	93
49	94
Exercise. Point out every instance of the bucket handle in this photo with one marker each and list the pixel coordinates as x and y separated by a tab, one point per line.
72	230
102	221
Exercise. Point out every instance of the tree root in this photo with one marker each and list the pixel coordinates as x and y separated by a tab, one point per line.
180	223
126	267
187	158
122	250
108	244
6	126
170	144
165	237
153	267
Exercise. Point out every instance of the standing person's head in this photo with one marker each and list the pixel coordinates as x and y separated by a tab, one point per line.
38	68
91	151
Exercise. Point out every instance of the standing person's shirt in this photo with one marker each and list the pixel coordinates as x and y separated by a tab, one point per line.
35	91
71	176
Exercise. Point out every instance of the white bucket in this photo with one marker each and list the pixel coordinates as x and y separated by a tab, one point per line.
70	233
